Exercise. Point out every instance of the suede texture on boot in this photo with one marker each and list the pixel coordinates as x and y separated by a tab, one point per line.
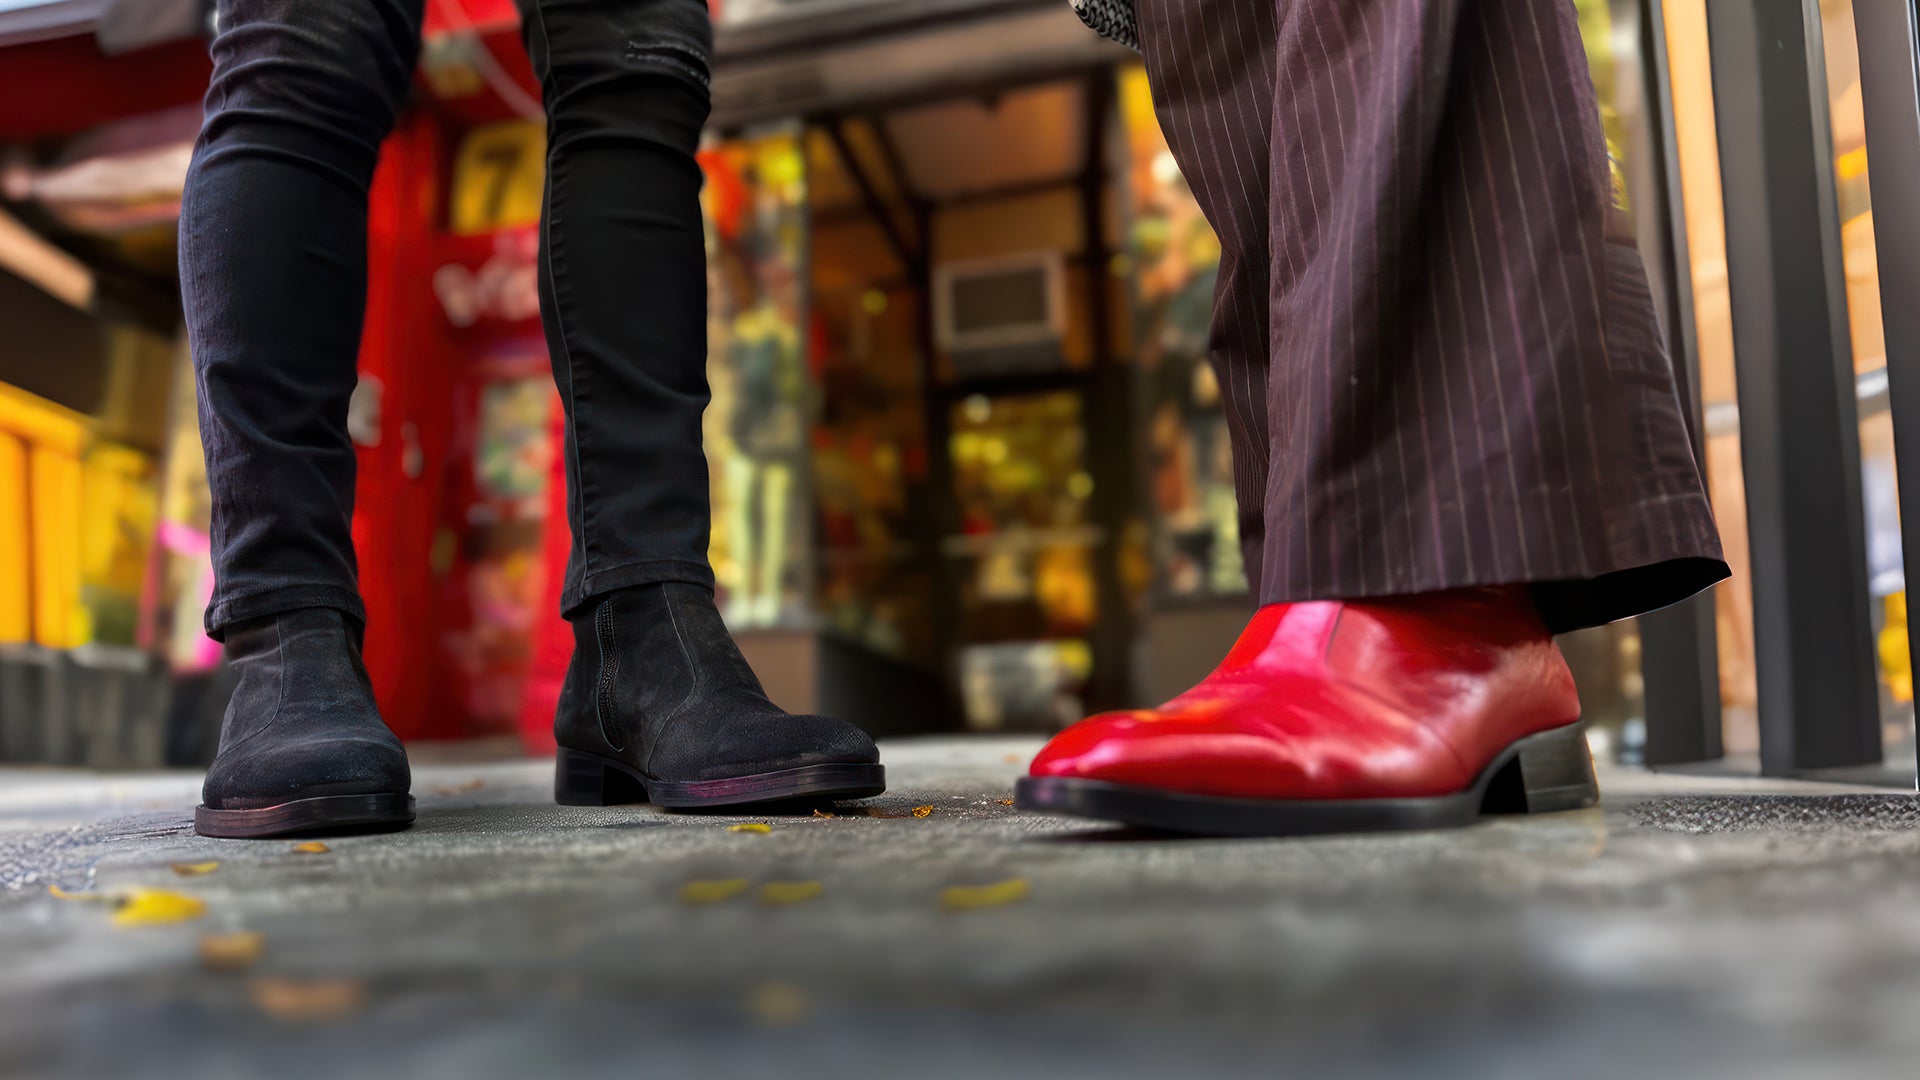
657	682
302	722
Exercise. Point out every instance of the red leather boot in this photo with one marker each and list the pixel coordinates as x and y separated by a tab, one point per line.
1408	713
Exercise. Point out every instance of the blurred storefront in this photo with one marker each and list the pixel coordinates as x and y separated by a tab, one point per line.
969	465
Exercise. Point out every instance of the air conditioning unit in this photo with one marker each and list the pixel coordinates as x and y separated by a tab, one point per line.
993	316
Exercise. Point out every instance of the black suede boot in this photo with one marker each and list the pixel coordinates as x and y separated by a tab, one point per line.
302	748
659	706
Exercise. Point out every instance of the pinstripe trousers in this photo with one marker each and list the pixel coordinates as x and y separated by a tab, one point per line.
1440	362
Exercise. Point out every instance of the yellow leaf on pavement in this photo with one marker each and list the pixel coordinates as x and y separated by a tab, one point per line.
93	897
782	893
311	847
231	952
195	869
1006	802
310	1001
824	813
779	1004
922	811
156	907
712	892
760	827
999	894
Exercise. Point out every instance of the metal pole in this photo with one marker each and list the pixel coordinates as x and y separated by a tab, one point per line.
1108	416
1889	35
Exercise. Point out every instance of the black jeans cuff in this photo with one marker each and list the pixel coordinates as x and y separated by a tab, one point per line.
224	613
576	598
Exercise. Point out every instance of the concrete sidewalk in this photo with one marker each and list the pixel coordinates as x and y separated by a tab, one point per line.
1692	927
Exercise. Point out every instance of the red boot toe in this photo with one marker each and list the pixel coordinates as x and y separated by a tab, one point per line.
1406	713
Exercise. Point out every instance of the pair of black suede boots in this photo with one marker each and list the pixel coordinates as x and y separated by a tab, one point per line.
658	706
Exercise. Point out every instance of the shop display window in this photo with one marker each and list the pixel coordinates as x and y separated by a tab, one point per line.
763	401
1174	257
870	461
1025	553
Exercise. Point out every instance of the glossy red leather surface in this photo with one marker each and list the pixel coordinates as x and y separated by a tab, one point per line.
1406	697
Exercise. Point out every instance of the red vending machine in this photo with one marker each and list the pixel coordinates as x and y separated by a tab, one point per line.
456	416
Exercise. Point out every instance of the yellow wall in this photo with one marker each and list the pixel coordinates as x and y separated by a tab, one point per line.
76	516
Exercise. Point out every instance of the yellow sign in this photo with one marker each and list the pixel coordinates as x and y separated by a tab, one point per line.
498	177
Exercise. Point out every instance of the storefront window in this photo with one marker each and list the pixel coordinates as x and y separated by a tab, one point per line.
1175	256
1696	134
870	459
756	429
1026	552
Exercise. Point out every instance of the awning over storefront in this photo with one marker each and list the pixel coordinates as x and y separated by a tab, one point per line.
774	57
22	21
808	58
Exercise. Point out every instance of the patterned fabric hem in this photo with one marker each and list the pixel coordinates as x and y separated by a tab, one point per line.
1110	19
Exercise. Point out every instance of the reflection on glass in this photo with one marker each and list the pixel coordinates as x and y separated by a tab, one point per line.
1879	483
1021	481
1697	139
756	429
1175	256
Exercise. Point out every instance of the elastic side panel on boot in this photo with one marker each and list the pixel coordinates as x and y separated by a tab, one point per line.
604	634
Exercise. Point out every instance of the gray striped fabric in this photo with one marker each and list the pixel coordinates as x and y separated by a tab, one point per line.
1438	352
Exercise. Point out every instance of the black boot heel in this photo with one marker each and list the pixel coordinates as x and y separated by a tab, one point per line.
582	779
1543	774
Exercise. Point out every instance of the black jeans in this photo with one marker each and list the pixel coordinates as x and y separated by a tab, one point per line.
273	274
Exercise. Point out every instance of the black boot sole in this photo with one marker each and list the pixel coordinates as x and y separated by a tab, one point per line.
327	815
1539	774
586	779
